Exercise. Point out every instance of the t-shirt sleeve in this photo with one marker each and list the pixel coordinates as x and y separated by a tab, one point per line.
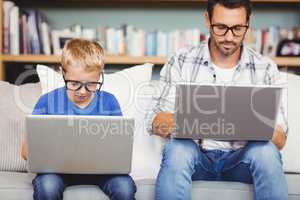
115	107
40	107
273	77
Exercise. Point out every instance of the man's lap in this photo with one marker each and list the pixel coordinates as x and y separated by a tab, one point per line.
216	165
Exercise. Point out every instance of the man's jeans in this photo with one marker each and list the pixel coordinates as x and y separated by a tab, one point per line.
183	162
51	186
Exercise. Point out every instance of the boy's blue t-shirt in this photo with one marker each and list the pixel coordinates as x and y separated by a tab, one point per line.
57	102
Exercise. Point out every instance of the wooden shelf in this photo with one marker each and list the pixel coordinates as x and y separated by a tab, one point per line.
287	61
134	60
281	61
117	3
56	59
276	1
30	58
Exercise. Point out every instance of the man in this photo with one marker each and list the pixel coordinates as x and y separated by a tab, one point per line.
223	59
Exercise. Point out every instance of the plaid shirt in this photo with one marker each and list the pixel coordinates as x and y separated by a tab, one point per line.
194	64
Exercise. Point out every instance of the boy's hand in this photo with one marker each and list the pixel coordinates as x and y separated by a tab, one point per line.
163	124
24	149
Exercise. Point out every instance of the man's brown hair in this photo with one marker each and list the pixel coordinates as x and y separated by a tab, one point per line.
229	4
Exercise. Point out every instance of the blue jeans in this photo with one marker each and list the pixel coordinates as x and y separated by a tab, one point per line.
258	163
51	186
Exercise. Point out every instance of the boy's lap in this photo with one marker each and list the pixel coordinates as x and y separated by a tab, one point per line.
79	179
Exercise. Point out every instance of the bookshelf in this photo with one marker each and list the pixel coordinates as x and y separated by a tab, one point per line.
281	61
110	59
140	2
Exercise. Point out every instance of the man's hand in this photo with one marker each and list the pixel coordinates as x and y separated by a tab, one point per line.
163	124
279	137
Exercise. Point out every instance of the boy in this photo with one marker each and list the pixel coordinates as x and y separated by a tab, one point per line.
82	64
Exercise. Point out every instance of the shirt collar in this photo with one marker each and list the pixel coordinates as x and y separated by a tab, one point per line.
206	54
245	60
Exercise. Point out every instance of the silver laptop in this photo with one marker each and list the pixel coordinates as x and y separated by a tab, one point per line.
79	144
226	112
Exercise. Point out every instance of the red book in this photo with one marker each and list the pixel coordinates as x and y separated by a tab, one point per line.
24	34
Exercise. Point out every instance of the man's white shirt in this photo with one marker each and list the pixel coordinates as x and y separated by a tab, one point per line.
222	76
194	64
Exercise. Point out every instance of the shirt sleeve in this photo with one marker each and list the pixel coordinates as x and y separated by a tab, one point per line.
40	107
115	107
164	98
274	77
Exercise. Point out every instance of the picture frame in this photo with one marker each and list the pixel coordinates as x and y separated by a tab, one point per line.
289	47
59	38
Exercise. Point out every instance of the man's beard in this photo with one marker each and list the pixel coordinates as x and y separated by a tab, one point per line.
227	52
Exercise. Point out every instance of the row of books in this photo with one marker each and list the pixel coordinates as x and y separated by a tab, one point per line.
159	43
137	42
268	40
26	31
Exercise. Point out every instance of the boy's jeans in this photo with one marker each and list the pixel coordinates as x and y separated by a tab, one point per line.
183	162
51	186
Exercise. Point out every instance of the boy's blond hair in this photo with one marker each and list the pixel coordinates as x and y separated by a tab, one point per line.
83	53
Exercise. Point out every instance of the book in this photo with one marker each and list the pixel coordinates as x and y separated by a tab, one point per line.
7	6
120	40
88	33
33	32
77	30
129	39
14	31
161	43
141	51
101	36
39	20
45	34
24	42
151	42
110	41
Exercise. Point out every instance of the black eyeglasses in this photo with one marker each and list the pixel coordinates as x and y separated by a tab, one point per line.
222	29
74	85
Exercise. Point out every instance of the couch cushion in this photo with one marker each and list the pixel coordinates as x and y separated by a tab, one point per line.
291	161
82	192
17	186
16	102
214	190
147	149
294	184
204	189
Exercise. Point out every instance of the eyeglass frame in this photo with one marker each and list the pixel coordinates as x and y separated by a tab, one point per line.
230	28
84	83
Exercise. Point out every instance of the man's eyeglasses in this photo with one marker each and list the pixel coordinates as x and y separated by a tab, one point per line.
222	29
74	85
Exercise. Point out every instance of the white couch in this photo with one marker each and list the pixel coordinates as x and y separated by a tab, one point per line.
134	90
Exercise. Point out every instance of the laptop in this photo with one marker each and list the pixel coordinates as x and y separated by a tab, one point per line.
79	144
226	112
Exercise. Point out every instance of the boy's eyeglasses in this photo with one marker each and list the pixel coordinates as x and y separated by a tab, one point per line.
74	85
222	29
